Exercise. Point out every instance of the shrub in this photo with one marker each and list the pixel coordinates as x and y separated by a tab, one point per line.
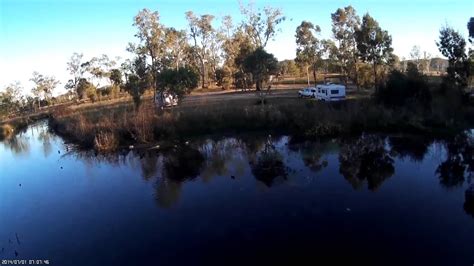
402	89
6	131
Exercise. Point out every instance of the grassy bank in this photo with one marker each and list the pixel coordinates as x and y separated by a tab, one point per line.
109	128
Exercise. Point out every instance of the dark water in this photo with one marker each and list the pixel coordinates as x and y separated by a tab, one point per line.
366	200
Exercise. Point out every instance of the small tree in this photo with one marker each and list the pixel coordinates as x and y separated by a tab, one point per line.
44	86
86	89
261	65
140	80
415	56
178	82
116	77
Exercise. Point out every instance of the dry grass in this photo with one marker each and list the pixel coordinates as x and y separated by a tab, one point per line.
105	141
109	128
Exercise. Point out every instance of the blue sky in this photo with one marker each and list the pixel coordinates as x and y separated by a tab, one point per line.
41	35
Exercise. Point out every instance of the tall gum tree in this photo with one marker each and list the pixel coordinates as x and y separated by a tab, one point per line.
151	34
203	36
309	48
261	25
345	24
374	45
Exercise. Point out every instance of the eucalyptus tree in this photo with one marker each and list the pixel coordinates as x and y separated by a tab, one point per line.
374	45
308	47
100	67
415	56
203	36
262	65
453	46
115	77
44	86
76	68
235	43
345	24
11	98
261	25
175	48
151	34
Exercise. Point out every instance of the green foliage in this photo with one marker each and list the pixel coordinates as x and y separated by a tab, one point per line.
135	87
178	82
76	68
309	48
402	89
470	28
139	81
204	37
261	25
224	77
44	86
452	45
116	77
242	79
85	89
345	24
289	67
91	93
261	65
373	44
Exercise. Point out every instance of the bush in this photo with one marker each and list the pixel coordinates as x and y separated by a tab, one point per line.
6	131
403	89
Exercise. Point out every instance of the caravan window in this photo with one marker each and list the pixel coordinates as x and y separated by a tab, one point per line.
334	92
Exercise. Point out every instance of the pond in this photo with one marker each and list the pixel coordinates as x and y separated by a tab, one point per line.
372	200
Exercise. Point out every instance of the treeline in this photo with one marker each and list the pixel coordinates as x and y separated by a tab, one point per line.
233	55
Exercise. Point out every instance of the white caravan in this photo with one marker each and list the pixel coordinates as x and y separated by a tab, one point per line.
330	92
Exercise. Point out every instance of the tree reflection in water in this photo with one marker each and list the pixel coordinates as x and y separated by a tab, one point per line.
469	201
365	159
182	163
312	152
459	162
45	137
412	147
18	144
220	156
149	164
268	165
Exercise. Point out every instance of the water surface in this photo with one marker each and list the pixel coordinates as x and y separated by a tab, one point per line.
381	200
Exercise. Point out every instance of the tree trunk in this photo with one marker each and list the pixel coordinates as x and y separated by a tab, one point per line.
258	85
203	75
314	75
307	74
356	76
375	76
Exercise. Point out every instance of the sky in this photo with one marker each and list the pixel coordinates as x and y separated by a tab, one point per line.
41	35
